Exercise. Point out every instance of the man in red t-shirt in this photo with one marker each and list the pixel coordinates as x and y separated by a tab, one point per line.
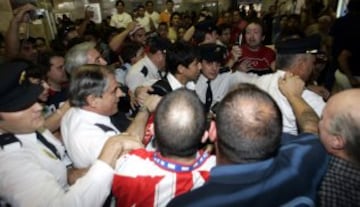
256	57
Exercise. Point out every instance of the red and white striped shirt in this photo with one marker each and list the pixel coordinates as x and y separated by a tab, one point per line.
147	179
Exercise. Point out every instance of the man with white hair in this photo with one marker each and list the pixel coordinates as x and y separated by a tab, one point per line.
82	53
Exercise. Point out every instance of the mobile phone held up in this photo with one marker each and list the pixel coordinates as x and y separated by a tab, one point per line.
37	14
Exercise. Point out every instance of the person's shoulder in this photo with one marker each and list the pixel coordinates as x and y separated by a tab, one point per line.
9	143
197	197
137	66
135	157
268	49
224	70
302	139
127	15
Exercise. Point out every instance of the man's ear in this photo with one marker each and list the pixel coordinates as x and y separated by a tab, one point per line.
212	131
180	69
337	142
91	100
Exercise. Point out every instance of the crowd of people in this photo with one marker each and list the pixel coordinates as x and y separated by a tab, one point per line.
164	108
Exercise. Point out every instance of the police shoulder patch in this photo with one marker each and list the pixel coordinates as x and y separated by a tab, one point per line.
144	71
9	142
224	70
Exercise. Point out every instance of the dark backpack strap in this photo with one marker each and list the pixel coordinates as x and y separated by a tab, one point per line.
161	87
47	144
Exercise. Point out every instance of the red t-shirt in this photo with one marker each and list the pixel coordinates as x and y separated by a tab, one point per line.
260	61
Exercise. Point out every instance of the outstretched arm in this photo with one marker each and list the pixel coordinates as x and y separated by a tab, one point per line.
12	39
118	39
137	127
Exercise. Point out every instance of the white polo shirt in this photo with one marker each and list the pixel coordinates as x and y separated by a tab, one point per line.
82	137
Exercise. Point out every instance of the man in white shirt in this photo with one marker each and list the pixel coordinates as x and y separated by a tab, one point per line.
122	18
33	168
295	56
149	69
94	95
215	80
183	69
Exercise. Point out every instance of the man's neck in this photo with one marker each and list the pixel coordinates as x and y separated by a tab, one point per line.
91	109
182	79
254	49
182	160
153	59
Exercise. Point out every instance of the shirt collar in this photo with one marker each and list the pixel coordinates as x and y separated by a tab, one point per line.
174	83
92	116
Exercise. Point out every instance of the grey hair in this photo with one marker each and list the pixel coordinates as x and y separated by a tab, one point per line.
77	56
88	80
346	126
284	61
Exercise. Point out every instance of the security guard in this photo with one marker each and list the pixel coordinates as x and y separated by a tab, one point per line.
212	84
32	167
151	68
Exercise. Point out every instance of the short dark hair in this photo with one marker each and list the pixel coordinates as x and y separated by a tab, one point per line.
257	22
158	44
249	125
179	123
45	58
284	60
129	50
163	24
119	2
180	53
88	80
140	6
149	2
222	27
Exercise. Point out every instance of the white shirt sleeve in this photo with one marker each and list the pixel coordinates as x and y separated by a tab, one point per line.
26	182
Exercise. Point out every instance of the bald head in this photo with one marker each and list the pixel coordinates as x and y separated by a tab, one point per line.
249	125
346	101
340	125
179	123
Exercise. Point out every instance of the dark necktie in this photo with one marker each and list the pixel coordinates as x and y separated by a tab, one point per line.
47	144
209	97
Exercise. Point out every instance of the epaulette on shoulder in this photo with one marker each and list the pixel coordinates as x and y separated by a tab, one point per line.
9	142
144	71
105	128
123	67
224	70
